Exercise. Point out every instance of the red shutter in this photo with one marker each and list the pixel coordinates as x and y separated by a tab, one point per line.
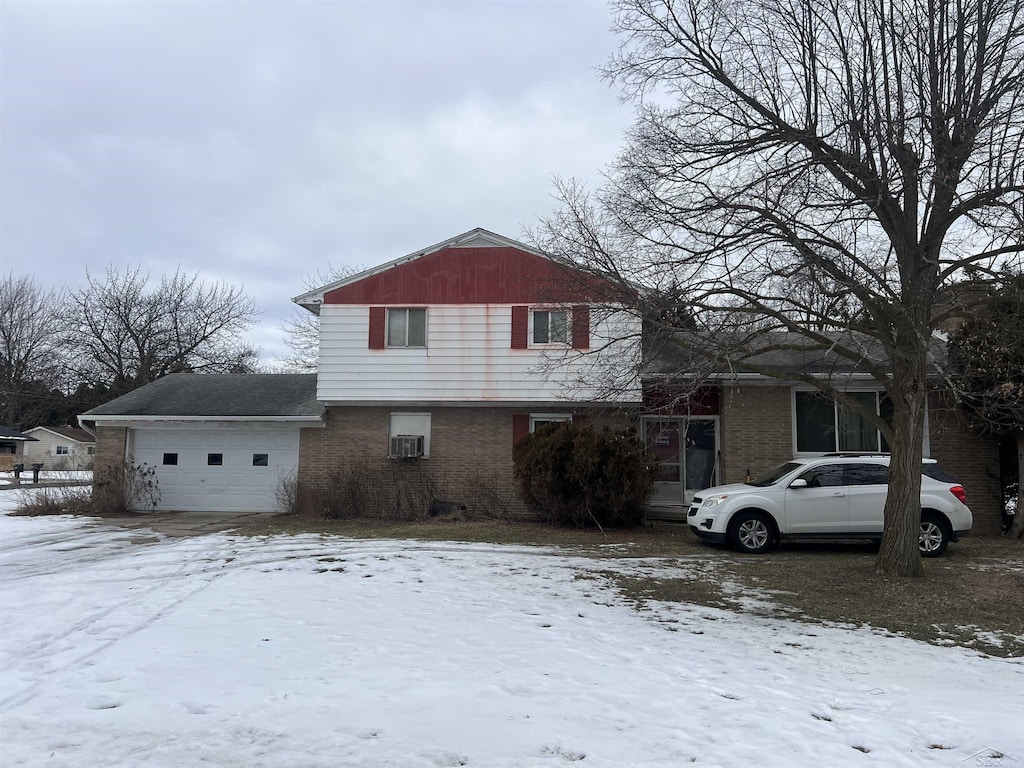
581	419
377	327
520	426
581	327
520	327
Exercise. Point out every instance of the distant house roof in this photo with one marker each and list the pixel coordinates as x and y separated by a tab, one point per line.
71	433
230	395
779	352
11	435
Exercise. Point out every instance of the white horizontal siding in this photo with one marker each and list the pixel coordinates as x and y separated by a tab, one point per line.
469	358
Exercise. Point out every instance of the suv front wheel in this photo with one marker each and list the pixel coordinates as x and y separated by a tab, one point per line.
934	535
751	532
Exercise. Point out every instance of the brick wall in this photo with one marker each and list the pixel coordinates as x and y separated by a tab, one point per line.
110	445
756	430
470	450
972	459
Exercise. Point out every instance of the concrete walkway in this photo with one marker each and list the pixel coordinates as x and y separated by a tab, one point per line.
179	524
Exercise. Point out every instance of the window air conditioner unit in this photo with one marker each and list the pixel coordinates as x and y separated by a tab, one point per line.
406	446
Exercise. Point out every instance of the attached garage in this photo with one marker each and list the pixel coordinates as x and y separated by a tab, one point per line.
234	468
217	442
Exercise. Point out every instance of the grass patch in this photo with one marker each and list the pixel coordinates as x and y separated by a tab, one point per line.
973	596
631	542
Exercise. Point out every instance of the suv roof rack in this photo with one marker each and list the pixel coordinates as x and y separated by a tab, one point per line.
857	454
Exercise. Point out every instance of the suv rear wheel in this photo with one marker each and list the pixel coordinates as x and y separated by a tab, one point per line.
751	532
934	535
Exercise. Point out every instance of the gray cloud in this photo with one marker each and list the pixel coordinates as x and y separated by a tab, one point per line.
256	142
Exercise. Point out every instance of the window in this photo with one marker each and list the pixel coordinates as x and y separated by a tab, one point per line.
824	425
214	459
260	459
867	474
410	425
827	476
538	420
62	450
550	327
170	459
407	327
90	450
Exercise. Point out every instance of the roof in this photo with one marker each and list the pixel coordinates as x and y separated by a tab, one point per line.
71	433
10	434
774	354
232	395
474	238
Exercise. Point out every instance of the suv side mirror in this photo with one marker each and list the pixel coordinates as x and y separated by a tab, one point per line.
798	483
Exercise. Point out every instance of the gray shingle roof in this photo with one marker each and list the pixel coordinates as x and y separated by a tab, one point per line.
10	434
72	433
219	394
780	352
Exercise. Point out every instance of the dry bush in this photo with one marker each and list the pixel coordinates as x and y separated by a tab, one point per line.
55	500
125	487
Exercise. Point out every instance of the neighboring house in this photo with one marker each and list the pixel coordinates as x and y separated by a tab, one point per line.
61	447
12	447
449	356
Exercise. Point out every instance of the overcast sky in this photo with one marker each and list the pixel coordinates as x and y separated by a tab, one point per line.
257	142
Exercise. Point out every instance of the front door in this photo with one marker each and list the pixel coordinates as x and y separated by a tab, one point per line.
686	450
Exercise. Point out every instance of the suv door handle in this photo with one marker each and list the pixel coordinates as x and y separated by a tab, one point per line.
838	494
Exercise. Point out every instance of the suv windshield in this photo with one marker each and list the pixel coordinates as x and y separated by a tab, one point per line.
775	475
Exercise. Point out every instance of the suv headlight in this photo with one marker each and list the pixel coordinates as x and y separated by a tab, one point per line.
714	501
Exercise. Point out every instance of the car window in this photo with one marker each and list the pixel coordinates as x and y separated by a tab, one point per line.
867	474
770	478
935	472
825	476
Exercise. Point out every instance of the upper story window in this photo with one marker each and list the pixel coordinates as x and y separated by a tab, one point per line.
407	327
550	327
62	450
824	425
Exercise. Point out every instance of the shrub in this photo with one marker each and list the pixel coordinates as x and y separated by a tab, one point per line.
577	476
396	489
124	487
55	500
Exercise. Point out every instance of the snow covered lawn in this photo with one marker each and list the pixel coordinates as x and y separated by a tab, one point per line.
306	651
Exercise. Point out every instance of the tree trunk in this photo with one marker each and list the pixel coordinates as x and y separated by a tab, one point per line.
1017	529
899	554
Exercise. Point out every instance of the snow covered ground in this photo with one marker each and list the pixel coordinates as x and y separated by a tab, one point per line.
306	651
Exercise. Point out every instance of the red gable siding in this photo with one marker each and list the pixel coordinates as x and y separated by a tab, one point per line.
473	276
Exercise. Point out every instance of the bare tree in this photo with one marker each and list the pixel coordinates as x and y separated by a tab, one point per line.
30	353
865	150
128	334
302	328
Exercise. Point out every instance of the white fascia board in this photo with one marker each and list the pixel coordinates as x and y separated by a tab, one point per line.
312	300
117	420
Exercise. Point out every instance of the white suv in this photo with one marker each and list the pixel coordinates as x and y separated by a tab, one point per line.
836	496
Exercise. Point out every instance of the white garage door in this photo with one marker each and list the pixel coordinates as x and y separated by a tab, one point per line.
234	469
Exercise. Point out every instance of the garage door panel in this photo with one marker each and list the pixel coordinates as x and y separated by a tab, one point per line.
235	485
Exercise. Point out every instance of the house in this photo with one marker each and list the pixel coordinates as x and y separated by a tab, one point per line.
434	365
12	446
754	421
60	447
